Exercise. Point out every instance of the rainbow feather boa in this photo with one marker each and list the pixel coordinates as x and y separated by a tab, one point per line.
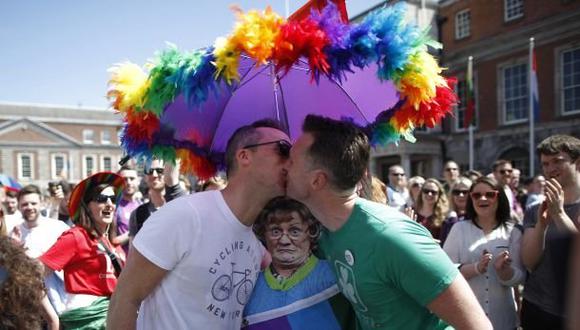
332	49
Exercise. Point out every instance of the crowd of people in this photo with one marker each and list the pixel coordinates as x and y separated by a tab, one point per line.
299	236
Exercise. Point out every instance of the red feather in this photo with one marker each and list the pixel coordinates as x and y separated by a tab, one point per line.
141	125
429	113
304	38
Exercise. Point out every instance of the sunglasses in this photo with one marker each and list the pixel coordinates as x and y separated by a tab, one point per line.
398	174
282	145
101	198
416	185
504	172
459	192
449	169
430	192
159	171
487	194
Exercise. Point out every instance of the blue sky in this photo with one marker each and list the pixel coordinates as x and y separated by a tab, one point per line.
58	51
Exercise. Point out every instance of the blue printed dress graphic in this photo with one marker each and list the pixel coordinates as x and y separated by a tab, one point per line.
234	270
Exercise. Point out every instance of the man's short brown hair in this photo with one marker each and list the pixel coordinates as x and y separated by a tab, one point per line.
560	143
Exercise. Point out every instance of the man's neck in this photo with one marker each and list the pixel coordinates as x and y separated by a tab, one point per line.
129	198
156	197
396	188
31	223
244	201
333	210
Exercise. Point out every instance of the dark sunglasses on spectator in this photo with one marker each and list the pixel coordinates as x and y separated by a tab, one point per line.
430	191
487	194
398	174
449	169
282	145
101	198
159	170
458	192
504	172
416	185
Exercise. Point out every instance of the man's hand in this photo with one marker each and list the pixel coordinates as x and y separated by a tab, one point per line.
172	173
16	236
554	198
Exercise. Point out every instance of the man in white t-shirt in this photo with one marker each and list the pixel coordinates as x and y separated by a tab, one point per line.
196	260
12	216
37	234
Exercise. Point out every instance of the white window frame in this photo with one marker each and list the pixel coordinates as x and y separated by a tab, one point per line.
560	81
103	140
462	31
95	169
103	163
462	106
19	165
88	139
53	170
510	6
119	135
502	98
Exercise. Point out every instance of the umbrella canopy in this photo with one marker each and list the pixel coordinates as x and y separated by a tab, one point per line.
287	98
9	183
377	74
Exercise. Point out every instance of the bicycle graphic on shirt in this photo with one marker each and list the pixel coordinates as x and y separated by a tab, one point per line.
224	285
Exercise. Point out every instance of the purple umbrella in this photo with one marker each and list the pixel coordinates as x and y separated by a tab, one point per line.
377	74
263	93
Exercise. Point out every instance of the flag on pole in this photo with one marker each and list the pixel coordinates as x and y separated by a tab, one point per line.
534	87
469	95
304	11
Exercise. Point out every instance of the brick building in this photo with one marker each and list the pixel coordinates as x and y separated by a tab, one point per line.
496	33
41	143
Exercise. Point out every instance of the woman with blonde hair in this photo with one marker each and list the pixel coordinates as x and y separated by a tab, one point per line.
458	196
415	185
432	207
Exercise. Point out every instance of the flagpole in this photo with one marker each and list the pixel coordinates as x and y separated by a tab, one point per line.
287	4
470	128
531	107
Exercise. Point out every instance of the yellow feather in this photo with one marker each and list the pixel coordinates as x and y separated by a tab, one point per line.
129	84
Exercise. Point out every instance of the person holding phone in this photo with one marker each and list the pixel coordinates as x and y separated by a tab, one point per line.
487	248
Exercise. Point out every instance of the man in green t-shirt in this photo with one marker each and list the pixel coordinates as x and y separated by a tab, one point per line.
389	267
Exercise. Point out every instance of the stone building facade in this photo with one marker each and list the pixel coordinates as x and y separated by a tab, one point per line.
496	34
42	143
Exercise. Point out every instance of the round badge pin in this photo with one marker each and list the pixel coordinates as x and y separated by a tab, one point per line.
349	257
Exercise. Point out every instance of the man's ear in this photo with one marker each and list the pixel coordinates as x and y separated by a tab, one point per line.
319	180
244	157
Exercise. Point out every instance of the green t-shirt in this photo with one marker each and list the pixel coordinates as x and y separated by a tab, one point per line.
389	268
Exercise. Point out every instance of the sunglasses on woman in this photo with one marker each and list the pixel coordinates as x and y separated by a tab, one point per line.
283	147
459	192
430	191
487	194
102	198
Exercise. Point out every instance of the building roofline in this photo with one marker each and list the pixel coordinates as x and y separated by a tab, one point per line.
51	106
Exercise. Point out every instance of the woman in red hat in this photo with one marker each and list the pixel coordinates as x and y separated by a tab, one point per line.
90	262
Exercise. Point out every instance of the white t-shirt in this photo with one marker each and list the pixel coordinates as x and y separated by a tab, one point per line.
12	220
213	262
39	239
397	199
